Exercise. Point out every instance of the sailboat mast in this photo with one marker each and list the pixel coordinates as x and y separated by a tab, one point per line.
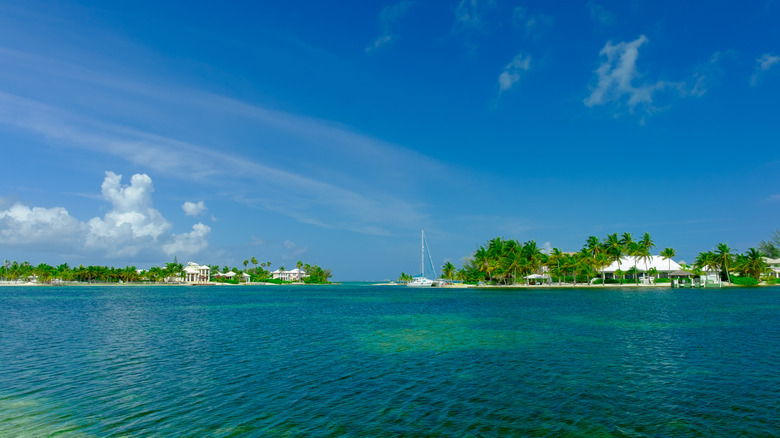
422	252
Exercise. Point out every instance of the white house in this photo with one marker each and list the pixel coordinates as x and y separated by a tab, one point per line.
196	274
625	264
294	275
774	266
230	275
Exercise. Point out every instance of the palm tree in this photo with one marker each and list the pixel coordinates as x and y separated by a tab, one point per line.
667	254
555	259
615	254
512	255
724	258
642	251
752	263
534	255
592	245
626	239
647	241
708	260
448	270
246	263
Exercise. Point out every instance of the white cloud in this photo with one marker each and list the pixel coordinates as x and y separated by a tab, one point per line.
511	74
22	225
194	208
132	223
616	76
387	18
188	243
326	195
763	64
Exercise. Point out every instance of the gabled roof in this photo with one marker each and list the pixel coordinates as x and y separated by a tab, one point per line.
657	262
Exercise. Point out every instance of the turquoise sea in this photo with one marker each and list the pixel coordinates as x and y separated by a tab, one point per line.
360	360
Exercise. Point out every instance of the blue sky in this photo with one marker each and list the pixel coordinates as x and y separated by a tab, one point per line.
333	133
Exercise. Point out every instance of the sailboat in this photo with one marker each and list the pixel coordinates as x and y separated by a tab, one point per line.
422	281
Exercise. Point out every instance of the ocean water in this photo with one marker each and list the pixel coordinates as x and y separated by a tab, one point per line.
358	360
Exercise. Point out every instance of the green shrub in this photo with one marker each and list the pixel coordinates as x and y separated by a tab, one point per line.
610	281
662	280
744	281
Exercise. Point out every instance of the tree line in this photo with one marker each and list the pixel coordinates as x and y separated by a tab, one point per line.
507	261
173	271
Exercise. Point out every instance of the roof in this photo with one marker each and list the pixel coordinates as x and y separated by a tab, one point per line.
681	273
657	262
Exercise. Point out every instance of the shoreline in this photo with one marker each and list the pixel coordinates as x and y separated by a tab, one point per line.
454	286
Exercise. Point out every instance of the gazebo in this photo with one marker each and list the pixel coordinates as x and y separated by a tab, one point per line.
682	278
534	279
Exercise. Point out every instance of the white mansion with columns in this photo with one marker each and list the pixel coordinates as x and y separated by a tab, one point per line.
196	274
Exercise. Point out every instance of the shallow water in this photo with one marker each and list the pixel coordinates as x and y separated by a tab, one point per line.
357	360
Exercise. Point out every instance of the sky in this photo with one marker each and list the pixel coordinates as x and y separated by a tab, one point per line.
133	133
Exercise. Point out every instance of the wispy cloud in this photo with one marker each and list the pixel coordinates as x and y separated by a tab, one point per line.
708	74
471	15
511	74
387	20
773	198
531	23
617	75
327	194
599	14
763	64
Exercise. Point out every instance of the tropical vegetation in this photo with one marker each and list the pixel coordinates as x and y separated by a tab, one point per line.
503	261
172	272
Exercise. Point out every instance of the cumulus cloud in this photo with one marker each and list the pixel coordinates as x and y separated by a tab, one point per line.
189	243
132	223
763	64
616	77
387	19
23	225
511	74
194	208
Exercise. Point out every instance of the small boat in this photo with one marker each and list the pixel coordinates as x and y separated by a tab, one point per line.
421	280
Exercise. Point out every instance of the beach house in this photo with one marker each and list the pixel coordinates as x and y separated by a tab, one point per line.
663	267
774	266
296	274
196	274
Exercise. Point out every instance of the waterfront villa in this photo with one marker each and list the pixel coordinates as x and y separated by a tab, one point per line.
196	274
293	275
774	266
662	266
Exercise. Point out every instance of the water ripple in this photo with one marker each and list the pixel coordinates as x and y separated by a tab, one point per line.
363	361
